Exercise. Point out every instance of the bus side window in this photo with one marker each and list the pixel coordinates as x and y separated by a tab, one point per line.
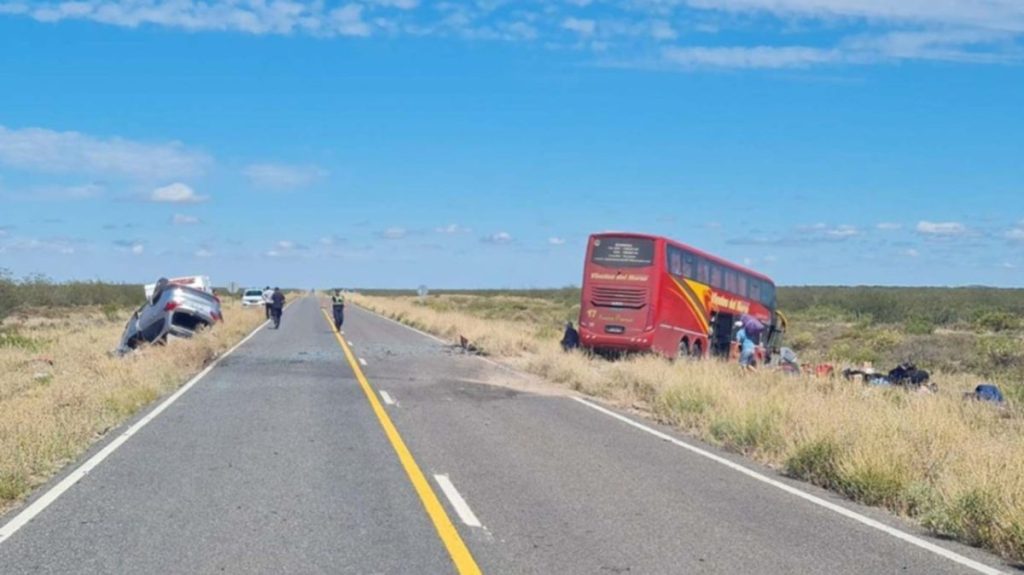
716	276
768	295
675	261
741	284
730	281
755	289
703	271
689	265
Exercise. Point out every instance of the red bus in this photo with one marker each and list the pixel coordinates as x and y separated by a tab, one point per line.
647	293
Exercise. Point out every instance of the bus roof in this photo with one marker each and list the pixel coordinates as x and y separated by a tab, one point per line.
690	248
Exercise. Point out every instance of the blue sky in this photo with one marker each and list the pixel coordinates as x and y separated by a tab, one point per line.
395	143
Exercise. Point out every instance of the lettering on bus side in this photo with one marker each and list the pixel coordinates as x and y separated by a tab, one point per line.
723	302
619	277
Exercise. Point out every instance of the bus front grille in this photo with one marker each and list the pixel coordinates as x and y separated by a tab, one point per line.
621	297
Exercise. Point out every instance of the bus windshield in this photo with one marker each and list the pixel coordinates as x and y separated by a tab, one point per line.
623	252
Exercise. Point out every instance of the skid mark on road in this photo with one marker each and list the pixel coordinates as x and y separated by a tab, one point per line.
463	560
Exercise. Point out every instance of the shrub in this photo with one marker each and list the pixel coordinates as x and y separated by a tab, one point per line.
816	462
919	326
996	321
998	353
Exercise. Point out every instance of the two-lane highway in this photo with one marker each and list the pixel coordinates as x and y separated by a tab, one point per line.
276	462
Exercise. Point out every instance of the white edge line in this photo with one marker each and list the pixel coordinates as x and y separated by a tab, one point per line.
386	397
362	362
44	501
461	507
906	537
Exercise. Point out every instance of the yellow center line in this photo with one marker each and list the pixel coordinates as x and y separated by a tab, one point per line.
461	557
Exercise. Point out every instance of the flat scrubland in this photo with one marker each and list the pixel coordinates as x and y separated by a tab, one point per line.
954	466
61	390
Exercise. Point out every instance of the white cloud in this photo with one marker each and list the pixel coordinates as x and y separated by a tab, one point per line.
452	229
748	56
250	16
176	193
348	21
203	253
582	27
62	246
58	193
994	14
911	253
941	229
1016	234
824	232
497	238
184	220
888	226
400	4
48	151
138	249
282	176
394	233
556	241
285	248
662	30
846	31
843	231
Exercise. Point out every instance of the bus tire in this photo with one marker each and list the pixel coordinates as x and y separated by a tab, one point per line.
698	349
684	348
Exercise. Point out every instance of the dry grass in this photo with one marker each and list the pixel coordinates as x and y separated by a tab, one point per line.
60	390
957	467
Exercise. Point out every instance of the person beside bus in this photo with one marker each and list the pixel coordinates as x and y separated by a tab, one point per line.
338	308
747	348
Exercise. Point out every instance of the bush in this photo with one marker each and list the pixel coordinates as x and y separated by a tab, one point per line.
998	354
919	326
815	462
40	292
996	321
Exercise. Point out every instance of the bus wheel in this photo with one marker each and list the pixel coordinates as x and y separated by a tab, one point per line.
684	348
698	350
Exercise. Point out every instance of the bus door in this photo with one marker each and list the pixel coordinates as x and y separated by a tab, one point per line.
721	334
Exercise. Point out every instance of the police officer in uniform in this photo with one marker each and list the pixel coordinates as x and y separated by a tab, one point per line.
338	308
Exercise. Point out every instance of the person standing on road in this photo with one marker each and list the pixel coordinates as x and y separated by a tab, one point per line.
268	299
277	306
338	308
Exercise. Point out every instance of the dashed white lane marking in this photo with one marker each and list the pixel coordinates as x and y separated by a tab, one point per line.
350	343
461	507
362	362
906	537
75	476
387	397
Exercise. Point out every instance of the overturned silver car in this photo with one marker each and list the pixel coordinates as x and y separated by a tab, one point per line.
171	310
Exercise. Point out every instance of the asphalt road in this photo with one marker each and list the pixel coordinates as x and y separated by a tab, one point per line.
276	462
